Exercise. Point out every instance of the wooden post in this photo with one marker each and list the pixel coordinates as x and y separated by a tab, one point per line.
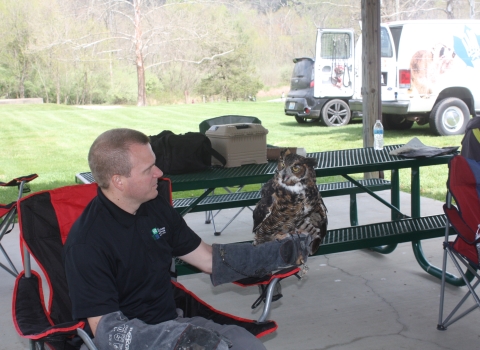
371	86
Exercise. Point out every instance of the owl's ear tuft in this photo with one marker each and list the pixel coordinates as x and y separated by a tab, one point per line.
285	153
311	162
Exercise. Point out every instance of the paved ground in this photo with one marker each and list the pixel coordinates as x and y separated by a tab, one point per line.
353	300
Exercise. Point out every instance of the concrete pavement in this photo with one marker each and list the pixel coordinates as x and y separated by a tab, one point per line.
352	300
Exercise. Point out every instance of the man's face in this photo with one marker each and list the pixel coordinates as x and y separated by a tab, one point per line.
141	186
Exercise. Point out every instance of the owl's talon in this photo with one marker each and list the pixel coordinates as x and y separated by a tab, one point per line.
303	270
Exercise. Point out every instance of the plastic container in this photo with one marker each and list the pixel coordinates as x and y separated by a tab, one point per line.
378	135
242	143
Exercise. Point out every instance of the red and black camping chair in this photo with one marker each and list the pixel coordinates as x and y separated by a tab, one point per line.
9	213
45	219
463	219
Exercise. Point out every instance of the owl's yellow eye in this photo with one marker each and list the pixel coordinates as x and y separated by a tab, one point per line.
296	168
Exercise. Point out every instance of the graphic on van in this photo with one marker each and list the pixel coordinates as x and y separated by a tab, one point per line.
467	47
427	66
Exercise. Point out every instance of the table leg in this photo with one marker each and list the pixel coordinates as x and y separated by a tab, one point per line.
417	245
435	271
353	210
415	192
394	206
195	203
395	194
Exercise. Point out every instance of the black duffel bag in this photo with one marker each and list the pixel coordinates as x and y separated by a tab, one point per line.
184	153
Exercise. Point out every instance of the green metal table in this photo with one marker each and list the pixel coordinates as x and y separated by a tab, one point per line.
332	163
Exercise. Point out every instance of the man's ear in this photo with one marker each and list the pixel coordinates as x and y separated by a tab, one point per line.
117	182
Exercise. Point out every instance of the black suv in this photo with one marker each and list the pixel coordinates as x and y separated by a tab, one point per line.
301	103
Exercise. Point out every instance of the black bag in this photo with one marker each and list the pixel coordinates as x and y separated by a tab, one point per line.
184	153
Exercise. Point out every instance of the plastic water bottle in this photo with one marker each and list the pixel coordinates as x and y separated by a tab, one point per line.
378	135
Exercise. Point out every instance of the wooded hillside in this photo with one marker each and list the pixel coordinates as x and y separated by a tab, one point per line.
165	51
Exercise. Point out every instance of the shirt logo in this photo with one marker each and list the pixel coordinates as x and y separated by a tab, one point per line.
158	232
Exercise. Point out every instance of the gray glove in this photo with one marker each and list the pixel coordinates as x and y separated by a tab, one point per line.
232	262
115	331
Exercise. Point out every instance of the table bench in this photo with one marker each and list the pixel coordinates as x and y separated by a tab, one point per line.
383	237
250	198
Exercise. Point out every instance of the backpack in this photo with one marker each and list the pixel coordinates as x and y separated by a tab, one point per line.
183	153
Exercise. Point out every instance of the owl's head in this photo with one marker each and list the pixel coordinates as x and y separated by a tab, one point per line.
295	169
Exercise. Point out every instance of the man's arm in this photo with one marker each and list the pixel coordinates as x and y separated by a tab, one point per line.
201	257
93	322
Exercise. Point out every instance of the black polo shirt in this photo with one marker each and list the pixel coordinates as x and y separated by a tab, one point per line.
118	261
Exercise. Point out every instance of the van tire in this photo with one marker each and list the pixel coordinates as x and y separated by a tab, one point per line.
396	122
449	117
335	113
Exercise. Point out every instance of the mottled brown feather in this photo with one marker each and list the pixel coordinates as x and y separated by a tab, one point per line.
291	203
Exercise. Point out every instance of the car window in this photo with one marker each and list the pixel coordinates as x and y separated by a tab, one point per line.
386	44
302	68
335	45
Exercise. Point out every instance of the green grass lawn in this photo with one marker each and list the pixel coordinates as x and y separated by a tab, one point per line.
53	141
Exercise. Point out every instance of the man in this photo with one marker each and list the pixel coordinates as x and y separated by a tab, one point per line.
118	255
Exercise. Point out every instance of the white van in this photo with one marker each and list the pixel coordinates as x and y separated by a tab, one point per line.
430	72
321	88
435	75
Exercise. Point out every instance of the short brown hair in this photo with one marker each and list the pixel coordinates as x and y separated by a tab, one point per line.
109	154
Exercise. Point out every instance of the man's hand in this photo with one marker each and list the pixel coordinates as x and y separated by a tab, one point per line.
232	262
296	248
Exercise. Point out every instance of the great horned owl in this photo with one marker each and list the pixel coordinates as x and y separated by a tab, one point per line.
291	203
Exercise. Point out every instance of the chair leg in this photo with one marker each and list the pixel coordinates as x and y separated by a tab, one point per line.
36	345
440	325
268	300
208	216
218	233
12	270
443	324
86	339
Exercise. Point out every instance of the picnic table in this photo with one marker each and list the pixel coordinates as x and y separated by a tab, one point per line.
384	236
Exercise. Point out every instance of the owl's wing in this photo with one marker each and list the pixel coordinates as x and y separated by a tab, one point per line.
318	219
263	207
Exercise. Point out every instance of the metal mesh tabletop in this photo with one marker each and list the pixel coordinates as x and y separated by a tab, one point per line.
330	163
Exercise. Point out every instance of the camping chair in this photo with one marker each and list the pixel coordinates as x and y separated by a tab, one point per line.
9	213
471	140
464	220
203	127
45	219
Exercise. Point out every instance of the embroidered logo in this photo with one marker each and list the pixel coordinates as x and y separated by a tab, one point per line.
158	232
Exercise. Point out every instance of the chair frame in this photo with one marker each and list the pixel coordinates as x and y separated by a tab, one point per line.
460	261
28	302
8	222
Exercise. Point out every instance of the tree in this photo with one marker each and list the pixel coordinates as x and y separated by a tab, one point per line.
150	31
15	56
231	76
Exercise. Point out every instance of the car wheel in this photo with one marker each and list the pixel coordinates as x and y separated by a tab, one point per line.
449	117
301	120
335	113
396	122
